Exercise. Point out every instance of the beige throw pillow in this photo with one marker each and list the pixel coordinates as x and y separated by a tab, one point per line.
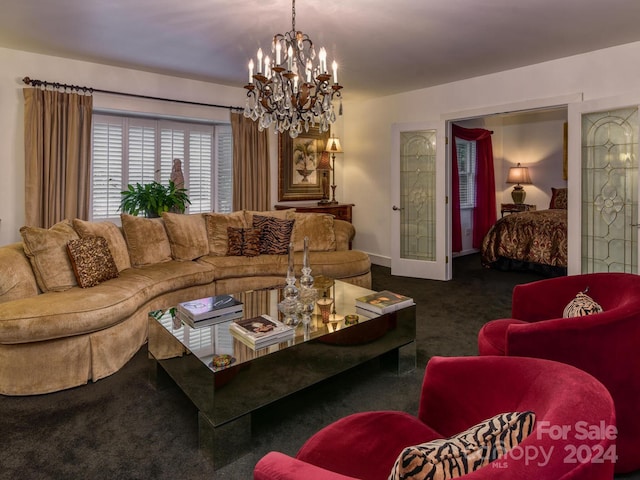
187	235
111	232
47	252
217	224
318	227
147	240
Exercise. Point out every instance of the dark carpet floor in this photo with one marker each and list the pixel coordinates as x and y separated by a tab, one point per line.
122	427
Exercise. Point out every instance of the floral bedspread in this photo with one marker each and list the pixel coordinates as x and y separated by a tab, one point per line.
535	237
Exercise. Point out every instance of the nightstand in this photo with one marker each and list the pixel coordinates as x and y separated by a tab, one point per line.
515	207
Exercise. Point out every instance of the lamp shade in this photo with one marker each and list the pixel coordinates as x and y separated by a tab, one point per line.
519	175
333	145
324	163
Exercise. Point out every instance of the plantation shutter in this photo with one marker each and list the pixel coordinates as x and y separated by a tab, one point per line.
107	165
201	170
224	141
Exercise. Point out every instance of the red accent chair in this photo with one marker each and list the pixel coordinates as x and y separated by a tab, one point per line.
606	345
457	393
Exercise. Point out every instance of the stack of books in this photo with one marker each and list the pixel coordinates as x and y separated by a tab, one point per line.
260	332
210	310
381	303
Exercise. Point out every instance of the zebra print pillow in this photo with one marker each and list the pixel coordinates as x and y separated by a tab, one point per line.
466	452
275	236
582	305
243	242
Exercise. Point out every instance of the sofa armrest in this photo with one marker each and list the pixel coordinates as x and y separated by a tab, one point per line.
345	232
278	466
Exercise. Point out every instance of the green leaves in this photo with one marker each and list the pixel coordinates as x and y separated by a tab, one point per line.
154	198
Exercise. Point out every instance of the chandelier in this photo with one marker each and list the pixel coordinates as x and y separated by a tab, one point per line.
292	89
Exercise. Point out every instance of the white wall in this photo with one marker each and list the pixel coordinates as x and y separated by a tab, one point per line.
367	125
536	141
18	64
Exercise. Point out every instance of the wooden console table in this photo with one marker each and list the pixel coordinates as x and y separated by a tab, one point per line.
342	211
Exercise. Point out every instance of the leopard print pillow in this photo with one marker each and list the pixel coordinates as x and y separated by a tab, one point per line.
463	453
91	260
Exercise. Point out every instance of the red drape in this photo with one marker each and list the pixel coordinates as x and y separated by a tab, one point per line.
484	214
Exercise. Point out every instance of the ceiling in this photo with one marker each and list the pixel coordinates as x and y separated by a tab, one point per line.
382	47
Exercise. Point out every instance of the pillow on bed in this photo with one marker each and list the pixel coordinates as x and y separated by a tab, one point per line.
558	198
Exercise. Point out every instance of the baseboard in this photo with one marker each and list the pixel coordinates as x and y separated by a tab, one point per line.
380	260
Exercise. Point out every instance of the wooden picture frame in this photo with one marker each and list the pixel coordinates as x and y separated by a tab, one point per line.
565	153
298	178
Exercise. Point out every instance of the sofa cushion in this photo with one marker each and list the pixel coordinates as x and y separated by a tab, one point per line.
371	442
217	224
581	305
342	264
62	314
318	227
241	267
493	339
91	260
111	232
47	252
17	279
275	234
466	452
187	235
147	240
244	241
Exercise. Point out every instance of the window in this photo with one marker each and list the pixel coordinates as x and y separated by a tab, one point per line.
466	151
129	150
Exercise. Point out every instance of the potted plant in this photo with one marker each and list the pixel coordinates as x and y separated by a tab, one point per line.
154	198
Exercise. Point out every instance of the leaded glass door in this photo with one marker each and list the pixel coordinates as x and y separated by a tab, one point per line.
418	234
607	174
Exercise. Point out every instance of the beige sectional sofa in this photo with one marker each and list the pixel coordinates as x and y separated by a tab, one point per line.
56	334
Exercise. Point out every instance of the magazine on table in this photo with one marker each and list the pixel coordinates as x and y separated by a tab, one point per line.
208	321
261	331
209	307
383	302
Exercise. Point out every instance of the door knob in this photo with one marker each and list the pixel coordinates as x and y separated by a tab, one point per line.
397	208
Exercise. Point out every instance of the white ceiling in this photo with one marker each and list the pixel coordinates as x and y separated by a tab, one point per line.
382	47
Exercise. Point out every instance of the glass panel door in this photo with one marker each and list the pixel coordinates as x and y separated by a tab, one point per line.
610	191
419	233
417	187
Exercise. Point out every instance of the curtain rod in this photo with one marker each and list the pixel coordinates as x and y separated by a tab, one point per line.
44	83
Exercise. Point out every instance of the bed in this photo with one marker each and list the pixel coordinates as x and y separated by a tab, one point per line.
534	240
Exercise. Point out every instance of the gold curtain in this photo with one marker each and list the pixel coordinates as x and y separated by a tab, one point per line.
250	165
57	145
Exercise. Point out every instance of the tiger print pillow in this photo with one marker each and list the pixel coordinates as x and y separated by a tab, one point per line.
581	305
275	236
466	452
243	242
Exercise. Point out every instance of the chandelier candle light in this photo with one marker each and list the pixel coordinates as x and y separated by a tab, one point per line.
288	89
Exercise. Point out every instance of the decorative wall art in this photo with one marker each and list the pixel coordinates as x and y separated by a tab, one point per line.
298	178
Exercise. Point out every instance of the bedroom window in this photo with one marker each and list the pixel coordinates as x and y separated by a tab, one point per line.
466	150
130	149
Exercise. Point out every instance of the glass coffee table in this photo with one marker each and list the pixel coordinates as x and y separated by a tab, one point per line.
225	396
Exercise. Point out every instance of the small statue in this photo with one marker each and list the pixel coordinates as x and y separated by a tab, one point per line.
176	173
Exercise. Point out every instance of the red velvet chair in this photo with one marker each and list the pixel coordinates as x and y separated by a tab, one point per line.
458	393
606	345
